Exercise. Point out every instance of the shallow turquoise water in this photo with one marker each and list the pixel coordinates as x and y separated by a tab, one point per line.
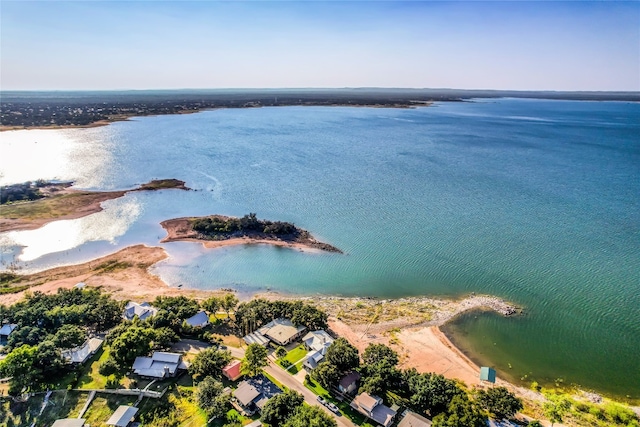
534	201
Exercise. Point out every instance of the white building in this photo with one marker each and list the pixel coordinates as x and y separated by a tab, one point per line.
142	311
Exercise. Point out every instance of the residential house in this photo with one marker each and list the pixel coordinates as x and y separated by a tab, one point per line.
6	330
253	393
372	407
160	365
411	419
198	320
232	370
123	416
280	331
142	311
69	422
349	383
83	353
317	342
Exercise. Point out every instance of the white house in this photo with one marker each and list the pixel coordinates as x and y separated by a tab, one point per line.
142	311
317	342
160	365
198	320
83	353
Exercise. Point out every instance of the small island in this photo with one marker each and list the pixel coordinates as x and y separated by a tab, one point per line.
219	230
30	205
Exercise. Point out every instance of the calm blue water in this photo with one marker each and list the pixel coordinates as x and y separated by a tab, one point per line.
534	201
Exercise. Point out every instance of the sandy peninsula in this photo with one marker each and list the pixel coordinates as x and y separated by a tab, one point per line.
61	201
181	229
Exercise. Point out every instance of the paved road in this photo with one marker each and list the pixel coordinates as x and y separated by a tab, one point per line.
309	396
274	370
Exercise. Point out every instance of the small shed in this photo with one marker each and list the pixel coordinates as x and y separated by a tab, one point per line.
233	370
69	422
122	416
488	374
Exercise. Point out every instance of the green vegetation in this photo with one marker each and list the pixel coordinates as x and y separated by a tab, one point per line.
47	324
255	313
309	416
209	396
279	408
499	402
292	358
162	184
255	358
209	363
20	192
219	226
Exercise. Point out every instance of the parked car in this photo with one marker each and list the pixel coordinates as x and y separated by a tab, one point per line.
333	408
321	400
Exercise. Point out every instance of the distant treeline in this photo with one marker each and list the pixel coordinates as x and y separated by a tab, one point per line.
25	191
216	225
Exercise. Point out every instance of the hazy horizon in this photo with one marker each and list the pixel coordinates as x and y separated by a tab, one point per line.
184	45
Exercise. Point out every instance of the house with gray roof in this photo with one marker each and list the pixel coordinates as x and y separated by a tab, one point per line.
142	311
83	353
6	330
317	342
253	393
123	416
372	407
198	320
160	365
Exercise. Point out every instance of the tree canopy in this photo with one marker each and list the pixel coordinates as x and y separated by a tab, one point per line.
280	407
209	363
209	396
310	416
255	358
499	402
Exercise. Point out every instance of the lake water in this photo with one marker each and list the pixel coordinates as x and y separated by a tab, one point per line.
534	201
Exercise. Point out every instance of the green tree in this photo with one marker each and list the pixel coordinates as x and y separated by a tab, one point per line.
212	304
375	353
69	336
309	317
380	377
21	366
461	412
310	416
280	407
281	352
135	341
209	363
534	423
181	306
255	358
499	402
431	392
208	395
556	407
229	302
342	355
48	360
326	374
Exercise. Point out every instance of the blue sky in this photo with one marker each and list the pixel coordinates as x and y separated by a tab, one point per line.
541	45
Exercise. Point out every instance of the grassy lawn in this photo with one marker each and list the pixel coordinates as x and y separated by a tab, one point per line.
103	405
294	356
177	406
62	404
90	377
